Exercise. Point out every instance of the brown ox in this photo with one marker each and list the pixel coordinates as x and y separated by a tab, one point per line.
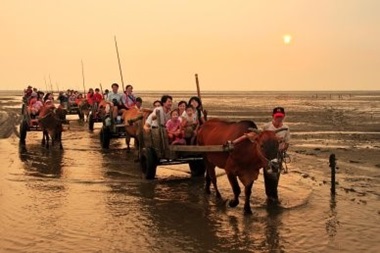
244	161
50	121
130	118
84	109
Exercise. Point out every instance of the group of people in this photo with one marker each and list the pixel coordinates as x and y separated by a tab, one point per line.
182	123
35	100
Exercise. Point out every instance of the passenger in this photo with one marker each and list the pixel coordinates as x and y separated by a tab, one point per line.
78	99
35	104
163	111
157	103
90	96
105	94
114	97
63	99
128	99
181	108
49	100
190	124
27	93
174	129
278	116
197	105
97	96
138	104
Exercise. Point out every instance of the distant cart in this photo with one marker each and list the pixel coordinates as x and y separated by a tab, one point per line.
155	150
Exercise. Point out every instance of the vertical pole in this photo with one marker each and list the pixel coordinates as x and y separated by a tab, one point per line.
118	60
51	85
198	89
46	88
101	88
83	81
332	161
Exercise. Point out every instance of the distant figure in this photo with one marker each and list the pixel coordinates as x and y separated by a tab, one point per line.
278	116
105	94
97	96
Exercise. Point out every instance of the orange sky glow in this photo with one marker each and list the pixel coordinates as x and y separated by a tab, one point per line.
232	45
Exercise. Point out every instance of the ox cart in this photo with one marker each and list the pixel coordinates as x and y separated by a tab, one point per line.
111	129
155	150
28	123
94	116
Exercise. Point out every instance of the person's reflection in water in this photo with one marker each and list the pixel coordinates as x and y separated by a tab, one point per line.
272	234
41	162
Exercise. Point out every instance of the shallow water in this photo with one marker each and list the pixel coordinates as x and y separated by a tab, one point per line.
85	199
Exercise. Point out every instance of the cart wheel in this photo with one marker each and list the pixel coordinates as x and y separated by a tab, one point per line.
105	137
23	130
148	163
91	122
197	168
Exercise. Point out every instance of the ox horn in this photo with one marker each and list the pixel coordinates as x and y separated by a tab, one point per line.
281	129
255	130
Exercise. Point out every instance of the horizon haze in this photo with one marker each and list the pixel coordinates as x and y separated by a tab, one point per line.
244	45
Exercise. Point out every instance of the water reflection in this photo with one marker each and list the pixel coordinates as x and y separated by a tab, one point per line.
332	222
41	162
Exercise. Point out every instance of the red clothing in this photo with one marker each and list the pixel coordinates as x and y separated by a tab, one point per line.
90	98
97	97
32	101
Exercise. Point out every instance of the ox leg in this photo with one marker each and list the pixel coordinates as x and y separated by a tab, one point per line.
271	185
128	142
248	192
60	140
235	188
43	141
211	178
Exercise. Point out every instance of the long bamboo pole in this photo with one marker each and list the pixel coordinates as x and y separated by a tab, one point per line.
83	80
46	88
198	89
101	88
118	60
51	85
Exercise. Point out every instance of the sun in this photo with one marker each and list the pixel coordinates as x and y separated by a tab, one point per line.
287	38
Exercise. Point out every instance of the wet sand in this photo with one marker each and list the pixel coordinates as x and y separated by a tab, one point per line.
344	123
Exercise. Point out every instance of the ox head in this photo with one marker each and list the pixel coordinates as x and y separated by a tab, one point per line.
268	148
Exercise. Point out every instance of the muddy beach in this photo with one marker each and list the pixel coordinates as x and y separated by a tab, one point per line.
86	199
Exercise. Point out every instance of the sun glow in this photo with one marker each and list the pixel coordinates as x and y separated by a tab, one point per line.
287	38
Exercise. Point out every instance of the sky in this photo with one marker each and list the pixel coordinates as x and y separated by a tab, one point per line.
231	45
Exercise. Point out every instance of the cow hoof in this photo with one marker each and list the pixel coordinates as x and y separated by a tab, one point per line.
273	201
233	203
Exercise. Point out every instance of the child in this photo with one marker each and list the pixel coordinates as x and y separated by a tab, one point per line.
190	124
173	127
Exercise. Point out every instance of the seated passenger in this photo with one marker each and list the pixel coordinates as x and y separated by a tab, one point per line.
190	125
198	108
138	104
174	129
163	111
35	105
114	97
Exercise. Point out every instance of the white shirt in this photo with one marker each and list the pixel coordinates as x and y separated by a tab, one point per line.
164	117
284	135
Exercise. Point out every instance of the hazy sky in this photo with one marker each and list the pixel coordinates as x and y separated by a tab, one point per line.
232	45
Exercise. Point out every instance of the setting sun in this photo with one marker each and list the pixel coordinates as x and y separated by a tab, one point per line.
287	38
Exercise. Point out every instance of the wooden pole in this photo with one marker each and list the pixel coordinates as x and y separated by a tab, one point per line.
83	80
56	83
101	88
118	60
46	88
332	161
198	89
51	85
199	95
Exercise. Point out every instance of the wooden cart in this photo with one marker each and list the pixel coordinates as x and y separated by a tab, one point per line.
155	150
